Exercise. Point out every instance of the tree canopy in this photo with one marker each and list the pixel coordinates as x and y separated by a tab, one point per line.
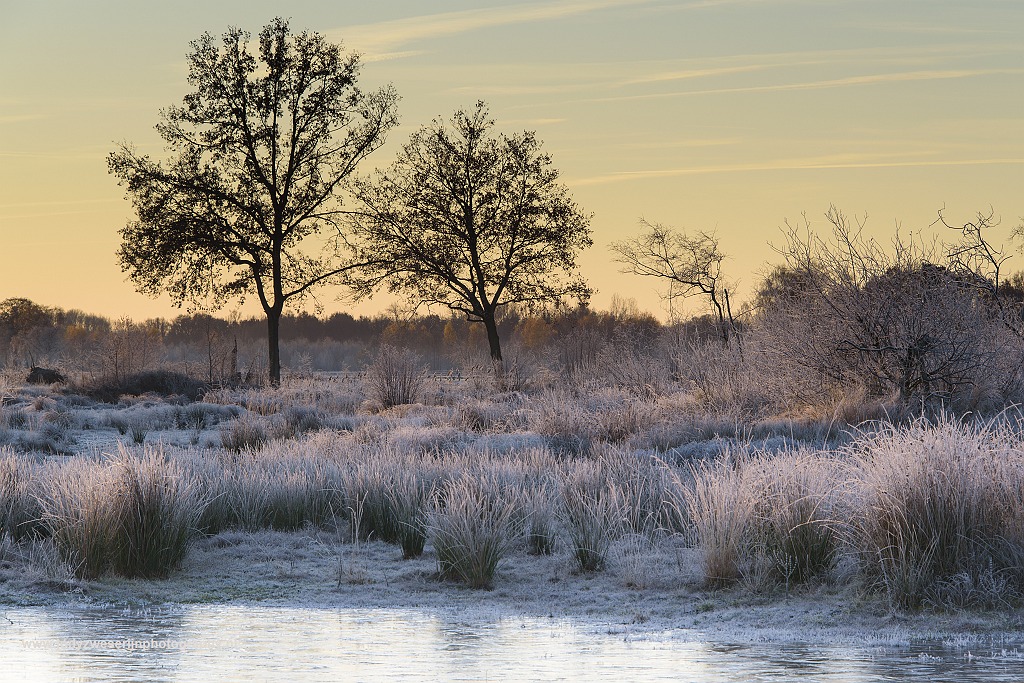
258	154
472	220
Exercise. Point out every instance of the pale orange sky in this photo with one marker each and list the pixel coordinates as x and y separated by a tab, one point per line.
731	115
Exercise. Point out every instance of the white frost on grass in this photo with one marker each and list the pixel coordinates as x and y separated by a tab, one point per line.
316	569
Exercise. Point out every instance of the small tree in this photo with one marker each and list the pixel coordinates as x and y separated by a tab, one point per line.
472	221
259	151
691	264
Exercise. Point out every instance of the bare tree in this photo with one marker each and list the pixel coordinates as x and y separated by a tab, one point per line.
692	265
472	221
259	152
850	310
977	261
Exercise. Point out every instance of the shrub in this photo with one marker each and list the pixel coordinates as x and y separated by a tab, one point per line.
473	528
109	389
395	377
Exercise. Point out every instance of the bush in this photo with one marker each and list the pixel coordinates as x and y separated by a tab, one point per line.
162	382
395	377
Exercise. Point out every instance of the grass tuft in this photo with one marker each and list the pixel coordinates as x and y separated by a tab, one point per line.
156	510
473	527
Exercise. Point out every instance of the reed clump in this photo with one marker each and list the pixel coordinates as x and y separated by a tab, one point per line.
473	528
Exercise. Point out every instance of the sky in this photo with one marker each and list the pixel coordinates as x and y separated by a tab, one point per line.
726	115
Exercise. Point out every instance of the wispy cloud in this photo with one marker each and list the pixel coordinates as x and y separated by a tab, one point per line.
384	38
388	56
688	74
20	118
533	122
869	79
785	165
674	144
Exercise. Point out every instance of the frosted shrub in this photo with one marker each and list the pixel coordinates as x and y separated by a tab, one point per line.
396	377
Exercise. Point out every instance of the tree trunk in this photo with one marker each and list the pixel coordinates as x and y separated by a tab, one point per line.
274	346
492	336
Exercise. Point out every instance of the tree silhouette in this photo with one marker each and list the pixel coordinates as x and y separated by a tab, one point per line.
259	151
471	220
692	265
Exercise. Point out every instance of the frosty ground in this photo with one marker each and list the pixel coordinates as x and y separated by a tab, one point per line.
778	530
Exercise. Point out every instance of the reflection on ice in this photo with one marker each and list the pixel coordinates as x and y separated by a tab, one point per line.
243	643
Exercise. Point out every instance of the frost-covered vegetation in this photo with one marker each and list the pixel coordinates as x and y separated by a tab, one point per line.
854	427
925	513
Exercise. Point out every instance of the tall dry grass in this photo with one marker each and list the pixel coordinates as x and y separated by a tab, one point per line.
797	521
155	507
473	527
931	512
78	512
410	495
932	504
134	515
396	377
19	507
721	504
594	510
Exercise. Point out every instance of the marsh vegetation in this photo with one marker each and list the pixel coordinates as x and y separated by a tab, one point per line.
475	486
